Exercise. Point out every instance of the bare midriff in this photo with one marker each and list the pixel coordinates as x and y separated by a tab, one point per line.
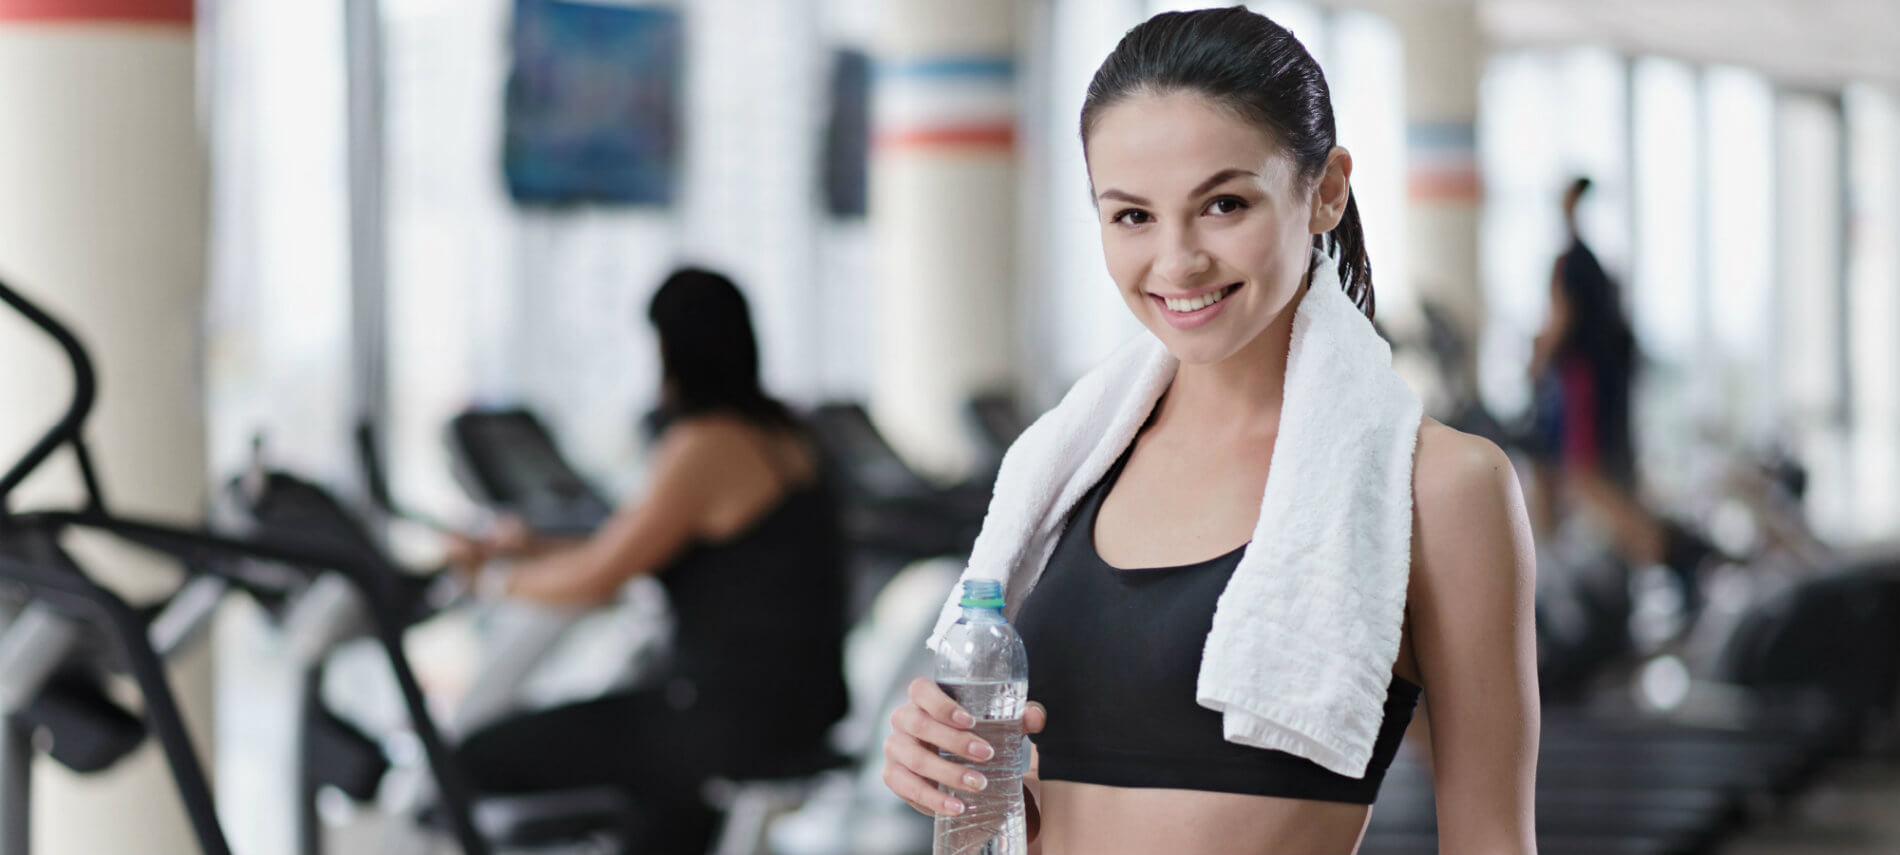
1090	819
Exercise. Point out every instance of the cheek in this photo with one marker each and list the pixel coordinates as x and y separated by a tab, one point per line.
1262	253
1123	257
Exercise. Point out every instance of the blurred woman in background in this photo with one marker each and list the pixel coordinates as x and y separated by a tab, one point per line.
1583	365
738	525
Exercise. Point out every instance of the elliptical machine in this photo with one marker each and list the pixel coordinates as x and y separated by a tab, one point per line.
60	634
31	556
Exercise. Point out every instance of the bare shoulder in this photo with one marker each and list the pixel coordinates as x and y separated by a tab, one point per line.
1467	502
1453	467
702	446
712	432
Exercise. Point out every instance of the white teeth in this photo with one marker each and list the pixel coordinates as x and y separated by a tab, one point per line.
1195	304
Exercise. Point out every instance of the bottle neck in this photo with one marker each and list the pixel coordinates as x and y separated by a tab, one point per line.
981	614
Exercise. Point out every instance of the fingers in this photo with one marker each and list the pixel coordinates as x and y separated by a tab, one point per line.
933	722
914	770
942	707
919	793
911	720
933	768
511	534
463	554
1035	717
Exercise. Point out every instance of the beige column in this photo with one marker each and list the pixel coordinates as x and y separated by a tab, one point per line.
1444	59
942	212
103	175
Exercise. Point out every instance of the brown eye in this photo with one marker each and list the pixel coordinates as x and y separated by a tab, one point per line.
1130	216
1227	204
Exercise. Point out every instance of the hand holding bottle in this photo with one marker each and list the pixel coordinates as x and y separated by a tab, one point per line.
928	725
978	711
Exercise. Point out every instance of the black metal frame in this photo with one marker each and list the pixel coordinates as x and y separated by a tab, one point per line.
71	592
71	587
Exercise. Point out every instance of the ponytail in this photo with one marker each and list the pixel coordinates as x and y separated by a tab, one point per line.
1348	244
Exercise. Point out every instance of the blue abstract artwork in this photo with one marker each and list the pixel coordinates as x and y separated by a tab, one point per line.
592	104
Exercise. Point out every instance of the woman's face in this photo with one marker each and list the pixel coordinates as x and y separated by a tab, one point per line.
1206	225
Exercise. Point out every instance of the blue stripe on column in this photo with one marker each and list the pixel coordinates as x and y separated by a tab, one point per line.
986	67
1441	136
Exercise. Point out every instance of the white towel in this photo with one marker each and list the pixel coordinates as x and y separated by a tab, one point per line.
1306	632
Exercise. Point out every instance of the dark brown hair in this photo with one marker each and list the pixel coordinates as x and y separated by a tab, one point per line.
708	351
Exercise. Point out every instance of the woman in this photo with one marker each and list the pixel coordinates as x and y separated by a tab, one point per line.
1586	356
739	529
1210	147
1583	364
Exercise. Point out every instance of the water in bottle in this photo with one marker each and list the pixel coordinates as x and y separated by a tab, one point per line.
981	664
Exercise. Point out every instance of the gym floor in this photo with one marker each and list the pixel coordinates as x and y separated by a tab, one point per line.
1854	811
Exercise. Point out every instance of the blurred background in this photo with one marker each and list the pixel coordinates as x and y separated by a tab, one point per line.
309	236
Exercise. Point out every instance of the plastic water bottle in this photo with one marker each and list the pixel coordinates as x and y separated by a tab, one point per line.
981	664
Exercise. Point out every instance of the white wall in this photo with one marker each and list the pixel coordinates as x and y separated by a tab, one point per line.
489	302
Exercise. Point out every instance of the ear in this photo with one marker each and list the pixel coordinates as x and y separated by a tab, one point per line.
1329	195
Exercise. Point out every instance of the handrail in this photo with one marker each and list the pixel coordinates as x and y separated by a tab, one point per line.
85	388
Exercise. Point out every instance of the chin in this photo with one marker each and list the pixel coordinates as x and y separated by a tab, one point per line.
1192	349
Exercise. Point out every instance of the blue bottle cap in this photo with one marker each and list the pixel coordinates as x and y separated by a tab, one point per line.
982	594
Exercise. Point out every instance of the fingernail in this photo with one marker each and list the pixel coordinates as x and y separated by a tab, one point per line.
963	718
974	782
952	807
981	751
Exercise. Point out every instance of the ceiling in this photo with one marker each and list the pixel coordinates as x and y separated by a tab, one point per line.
1805	43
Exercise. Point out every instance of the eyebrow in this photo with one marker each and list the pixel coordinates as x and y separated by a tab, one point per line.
1213	181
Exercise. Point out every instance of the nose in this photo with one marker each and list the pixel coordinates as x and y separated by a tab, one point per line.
1181	258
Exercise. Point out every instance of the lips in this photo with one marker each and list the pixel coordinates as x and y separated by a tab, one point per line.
1201	301
1195	310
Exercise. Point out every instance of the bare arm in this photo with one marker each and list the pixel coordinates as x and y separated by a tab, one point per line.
1473	583
513	539
638	539
1556	322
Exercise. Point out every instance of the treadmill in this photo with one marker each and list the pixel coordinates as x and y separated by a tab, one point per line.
507	460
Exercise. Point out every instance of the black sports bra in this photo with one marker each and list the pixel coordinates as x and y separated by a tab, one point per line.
1114	654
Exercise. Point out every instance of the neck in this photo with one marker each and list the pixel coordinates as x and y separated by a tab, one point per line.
1242	393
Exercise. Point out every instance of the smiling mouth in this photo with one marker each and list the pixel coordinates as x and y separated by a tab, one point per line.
1194	304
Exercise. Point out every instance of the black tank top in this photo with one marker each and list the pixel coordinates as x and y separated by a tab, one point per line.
1114	654
760	617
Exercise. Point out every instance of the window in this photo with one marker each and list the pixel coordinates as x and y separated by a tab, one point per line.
1665	279
1545	117
1739	198
278	308
1809	307
1873	308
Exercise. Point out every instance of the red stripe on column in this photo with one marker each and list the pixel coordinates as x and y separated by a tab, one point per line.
1454	185
986	137
97	11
